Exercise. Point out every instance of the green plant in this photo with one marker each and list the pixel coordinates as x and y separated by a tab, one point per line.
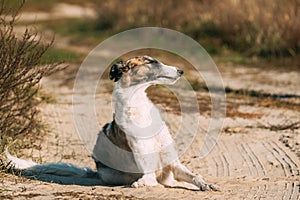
58	55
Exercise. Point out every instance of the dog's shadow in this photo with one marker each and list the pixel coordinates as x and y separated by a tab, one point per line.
68	174
72	175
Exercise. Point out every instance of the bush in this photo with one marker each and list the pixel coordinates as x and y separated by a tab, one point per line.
20	74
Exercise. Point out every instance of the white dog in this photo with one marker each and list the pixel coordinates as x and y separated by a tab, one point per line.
136	148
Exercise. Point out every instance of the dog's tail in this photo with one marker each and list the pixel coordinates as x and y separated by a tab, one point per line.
61	173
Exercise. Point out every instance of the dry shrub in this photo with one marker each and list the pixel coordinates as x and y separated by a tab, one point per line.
256	27
20	73
263	27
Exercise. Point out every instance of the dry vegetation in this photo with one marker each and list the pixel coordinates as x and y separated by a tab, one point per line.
20	73
259	27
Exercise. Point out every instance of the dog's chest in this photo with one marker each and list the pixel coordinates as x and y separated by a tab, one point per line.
133	109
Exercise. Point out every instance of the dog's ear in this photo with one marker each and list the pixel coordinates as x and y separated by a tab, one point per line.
116	71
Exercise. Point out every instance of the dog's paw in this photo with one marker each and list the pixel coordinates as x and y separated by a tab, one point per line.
198	181
144	182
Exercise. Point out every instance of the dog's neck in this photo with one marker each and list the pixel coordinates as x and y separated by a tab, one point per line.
133	108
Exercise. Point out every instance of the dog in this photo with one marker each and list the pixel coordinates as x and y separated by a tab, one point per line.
135	148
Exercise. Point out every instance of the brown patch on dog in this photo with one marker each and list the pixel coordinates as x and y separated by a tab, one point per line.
131	63
135	71
116	136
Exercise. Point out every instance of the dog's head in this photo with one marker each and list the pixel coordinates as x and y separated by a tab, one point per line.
142	70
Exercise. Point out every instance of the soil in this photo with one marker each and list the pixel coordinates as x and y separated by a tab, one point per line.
251	160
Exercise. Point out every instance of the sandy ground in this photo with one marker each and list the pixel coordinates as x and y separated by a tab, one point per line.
250	161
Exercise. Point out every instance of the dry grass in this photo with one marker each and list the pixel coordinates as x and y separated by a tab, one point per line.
259	27
20	74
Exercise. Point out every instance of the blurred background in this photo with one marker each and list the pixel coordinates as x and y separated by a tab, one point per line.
234	31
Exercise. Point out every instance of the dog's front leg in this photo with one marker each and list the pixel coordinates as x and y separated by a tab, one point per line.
147	161
147	180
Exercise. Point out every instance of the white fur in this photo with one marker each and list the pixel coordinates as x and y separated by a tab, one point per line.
19	163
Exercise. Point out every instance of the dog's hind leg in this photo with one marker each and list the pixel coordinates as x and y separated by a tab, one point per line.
181	173
114	177
166	177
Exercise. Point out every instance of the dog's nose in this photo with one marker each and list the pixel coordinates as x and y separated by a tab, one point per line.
179	72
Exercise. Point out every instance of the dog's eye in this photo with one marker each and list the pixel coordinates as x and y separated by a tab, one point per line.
152	61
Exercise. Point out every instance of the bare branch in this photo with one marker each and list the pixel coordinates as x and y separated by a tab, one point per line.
20	74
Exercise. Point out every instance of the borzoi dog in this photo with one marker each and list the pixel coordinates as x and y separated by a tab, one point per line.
134	149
